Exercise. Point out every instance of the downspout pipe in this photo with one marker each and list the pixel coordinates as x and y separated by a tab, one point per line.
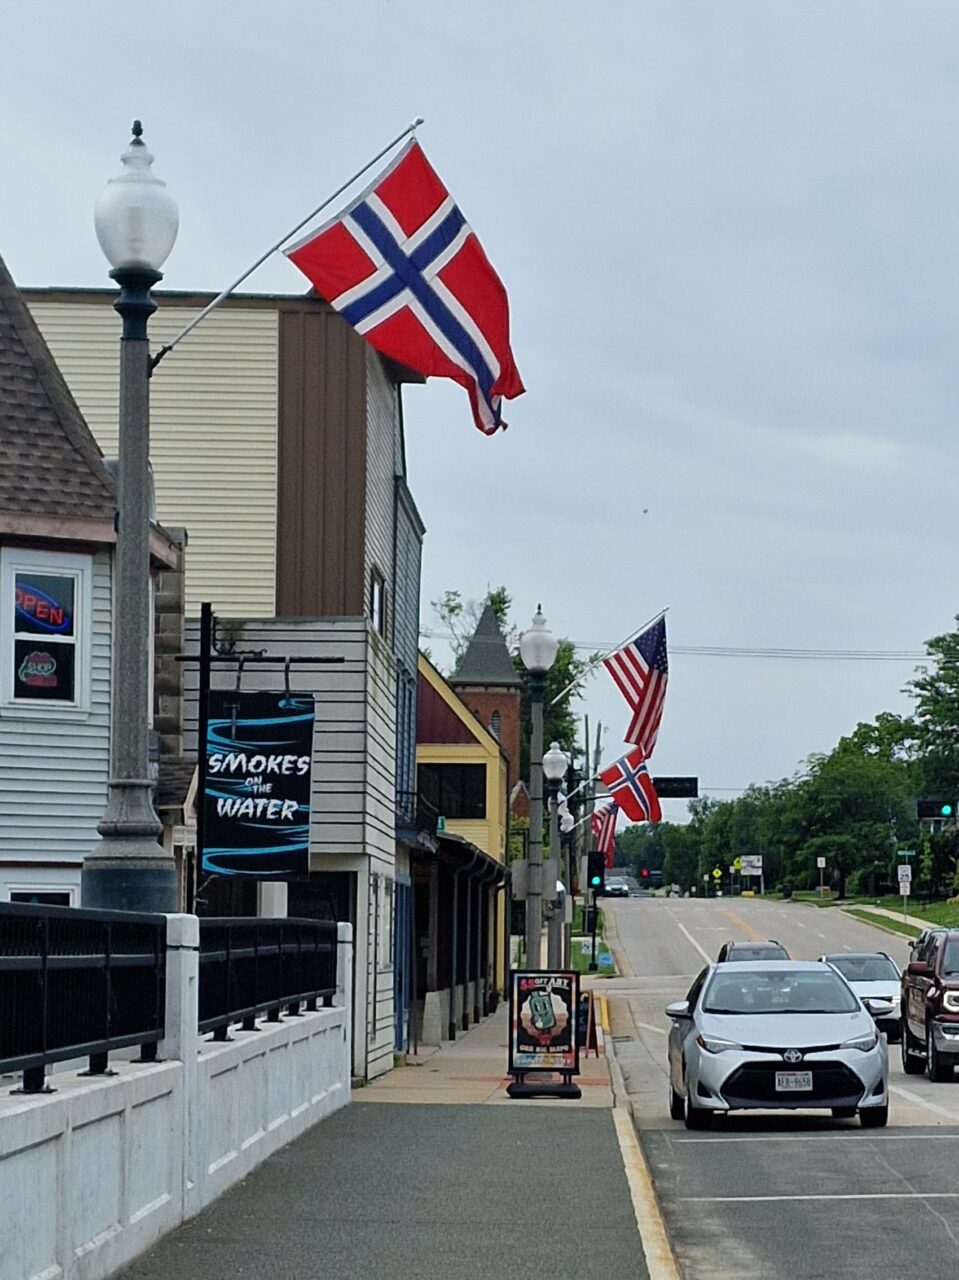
454	985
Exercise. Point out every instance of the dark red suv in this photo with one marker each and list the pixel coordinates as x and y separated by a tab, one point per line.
930	1007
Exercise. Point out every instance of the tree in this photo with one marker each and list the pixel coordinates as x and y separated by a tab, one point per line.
564	680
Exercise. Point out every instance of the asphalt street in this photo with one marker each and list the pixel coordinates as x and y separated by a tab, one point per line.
790	1196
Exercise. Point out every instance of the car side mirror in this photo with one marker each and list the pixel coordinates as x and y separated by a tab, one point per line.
880	1008
918	968
678	1010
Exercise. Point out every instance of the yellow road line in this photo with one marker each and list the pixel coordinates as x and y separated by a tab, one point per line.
660	1262
747	929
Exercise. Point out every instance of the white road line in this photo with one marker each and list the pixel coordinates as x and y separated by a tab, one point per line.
922	1102
800	923
682	929
660	1263
648	1026
846	1136
854	1195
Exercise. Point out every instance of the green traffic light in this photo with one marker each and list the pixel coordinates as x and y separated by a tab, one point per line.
595	880
946	810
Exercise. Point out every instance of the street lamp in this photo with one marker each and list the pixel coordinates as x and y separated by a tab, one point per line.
555	764
537	649
136	223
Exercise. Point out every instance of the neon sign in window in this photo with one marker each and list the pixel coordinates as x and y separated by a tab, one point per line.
44	649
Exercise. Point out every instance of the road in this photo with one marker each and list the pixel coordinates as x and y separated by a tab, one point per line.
795	1197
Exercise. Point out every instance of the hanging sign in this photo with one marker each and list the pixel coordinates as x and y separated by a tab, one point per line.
259	756
544	1027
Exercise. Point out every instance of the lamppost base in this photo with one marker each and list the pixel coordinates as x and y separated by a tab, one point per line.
129	886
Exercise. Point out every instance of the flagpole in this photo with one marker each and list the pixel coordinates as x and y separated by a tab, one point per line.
603	656
221	297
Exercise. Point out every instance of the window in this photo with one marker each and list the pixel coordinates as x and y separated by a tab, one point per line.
43	898
378	601
45	617
455	790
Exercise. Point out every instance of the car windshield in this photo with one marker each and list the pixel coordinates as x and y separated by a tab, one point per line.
760	952
950	958
865	968
766	991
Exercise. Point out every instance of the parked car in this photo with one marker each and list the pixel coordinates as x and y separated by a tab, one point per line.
788	1034
930	1007
920	942
874	978
770	950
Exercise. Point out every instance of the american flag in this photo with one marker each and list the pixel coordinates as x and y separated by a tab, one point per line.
641	671
632	788
603	823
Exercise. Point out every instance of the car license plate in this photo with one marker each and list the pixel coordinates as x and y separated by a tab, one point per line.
793	1081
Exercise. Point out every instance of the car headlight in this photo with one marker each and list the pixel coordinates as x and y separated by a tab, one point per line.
864	1043
950	1000
713	1044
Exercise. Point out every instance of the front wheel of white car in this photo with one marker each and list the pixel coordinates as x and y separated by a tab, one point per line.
874	1117
677	1105
694	1117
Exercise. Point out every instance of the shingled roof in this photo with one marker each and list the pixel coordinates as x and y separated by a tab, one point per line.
50	463
487	660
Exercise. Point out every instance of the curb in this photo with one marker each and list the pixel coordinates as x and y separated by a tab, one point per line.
661	1262
895	933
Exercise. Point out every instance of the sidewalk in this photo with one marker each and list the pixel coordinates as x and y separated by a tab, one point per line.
472	1069
452	1181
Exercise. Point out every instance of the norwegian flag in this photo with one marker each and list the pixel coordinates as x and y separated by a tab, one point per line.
403	266
640	670
603	824
632	788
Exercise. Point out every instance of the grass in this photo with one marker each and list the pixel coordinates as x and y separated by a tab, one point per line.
885	922
580	960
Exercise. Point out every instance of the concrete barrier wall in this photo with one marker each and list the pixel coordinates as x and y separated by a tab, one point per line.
94	1173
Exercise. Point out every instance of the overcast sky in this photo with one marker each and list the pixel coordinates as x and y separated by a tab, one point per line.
729	233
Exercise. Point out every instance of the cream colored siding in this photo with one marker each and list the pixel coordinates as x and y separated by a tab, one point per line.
213	406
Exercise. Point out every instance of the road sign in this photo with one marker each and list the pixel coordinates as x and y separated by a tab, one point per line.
732	869
820	862
905	888
717	874
752	864
676	788
738	864
905	873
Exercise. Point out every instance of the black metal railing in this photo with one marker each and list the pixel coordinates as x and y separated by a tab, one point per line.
77	984
416	813
254	966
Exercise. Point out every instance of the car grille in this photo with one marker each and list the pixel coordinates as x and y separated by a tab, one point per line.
781	1050
833	1085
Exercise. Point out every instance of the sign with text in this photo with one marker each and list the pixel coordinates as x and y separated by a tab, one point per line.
676	788
259	757
752	864
544	1028
905	873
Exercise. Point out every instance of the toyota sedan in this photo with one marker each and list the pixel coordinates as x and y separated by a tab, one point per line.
784	1034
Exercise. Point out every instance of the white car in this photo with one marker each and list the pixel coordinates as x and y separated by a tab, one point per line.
783	1034
875	979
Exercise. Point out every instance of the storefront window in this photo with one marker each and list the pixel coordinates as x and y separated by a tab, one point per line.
44	599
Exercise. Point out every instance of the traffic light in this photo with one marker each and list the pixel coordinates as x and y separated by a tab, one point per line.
927	809
596	871
644	873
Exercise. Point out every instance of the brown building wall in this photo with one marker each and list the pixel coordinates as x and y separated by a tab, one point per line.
321	448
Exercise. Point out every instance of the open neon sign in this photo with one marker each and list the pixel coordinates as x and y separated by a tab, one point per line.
42	610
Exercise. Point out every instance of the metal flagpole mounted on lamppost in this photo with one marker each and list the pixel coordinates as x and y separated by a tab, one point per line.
555	764
537	648
136	223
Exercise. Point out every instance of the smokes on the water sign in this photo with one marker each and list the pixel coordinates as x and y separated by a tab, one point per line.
544	1032
259	755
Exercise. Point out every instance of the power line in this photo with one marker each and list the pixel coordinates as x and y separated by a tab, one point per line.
748	651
